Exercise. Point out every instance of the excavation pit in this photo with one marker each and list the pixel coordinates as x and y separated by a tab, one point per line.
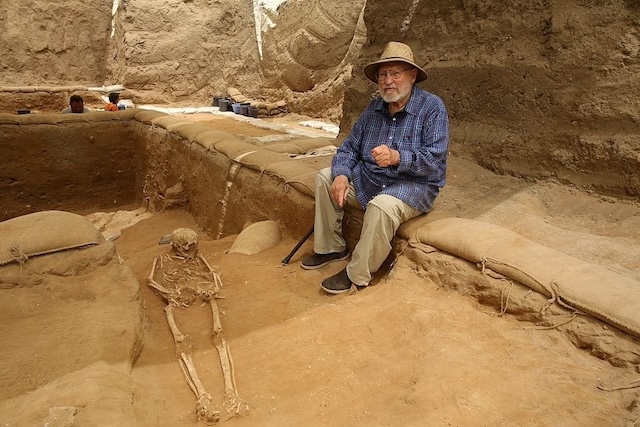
386	355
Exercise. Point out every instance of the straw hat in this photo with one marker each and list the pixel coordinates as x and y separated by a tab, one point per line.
393	52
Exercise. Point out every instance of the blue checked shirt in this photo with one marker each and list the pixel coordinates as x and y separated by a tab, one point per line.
420	133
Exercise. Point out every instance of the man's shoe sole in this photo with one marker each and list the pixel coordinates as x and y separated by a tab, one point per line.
315	267
334	292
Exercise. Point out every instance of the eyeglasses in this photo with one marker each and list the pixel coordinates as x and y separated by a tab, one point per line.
394	74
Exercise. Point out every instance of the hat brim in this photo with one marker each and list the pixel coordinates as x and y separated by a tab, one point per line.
371	69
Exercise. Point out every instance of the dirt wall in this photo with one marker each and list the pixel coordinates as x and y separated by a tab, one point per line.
105	161
53	42
206	177
178	50
73	166
543	89
308	52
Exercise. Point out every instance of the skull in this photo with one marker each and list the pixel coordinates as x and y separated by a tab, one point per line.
184	242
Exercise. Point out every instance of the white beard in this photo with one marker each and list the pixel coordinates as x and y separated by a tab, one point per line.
400	93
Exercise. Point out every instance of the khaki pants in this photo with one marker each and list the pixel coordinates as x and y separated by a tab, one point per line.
383	216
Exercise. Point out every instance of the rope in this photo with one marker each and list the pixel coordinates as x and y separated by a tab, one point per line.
545	328
486	259
504	300
633	384
17	255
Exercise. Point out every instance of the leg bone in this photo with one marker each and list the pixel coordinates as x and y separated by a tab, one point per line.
177	335
203	406
234	405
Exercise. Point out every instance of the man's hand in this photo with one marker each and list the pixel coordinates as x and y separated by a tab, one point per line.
340	190
385	156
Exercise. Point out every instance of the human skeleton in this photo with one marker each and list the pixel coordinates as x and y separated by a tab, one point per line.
184	277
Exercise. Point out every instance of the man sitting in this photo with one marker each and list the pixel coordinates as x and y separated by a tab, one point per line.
392	165
76	105
114	97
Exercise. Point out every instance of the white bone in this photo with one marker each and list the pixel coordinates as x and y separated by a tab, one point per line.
180	285
204	401
177	335
234	405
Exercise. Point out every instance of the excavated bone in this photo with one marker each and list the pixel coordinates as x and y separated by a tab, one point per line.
181	278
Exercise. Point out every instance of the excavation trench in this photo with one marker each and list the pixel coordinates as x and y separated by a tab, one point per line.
106	163
394	352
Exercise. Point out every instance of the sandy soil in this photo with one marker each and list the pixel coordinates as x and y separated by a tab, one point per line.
542	89
405	351
402	352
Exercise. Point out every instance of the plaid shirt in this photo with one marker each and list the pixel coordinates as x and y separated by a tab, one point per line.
420	133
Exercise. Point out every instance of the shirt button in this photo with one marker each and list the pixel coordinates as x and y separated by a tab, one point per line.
394	119
390	138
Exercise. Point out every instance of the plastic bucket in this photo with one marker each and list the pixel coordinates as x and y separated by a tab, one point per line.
223	104
236	107
244	110
253	112
216	101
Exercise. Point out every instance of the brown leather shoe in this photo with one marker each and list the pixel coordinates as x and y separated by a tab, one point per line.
320	260
338	283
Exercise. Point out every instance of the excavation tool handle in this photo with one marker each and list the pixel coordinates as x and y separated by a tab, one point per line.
286	259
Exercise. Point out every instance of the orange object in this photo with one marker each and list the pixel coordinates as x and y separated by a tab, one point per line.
111	107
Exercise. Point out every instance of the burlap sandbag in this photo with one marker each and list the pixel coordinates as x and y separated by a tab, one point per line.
256	238
609	296
147	116
304	183
43	233
527	262
300	146
262	159
166	121
189	131
9	119
126	114
233	92
75	118
103	116
46	89
40	119
235	150
593	289
290	168
210	138
464	238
